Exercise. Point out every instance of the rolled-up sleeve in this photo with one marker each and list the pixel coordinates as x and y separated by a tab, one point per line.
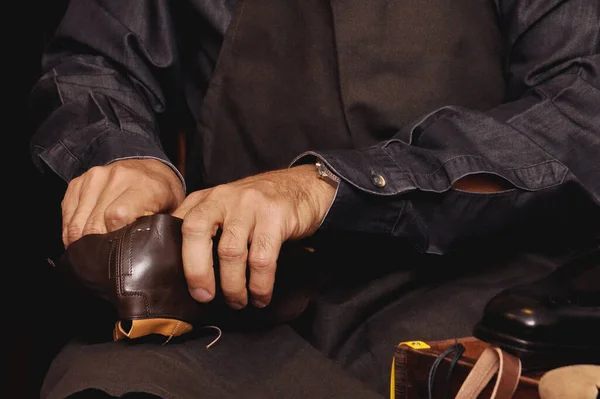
544	141
106	74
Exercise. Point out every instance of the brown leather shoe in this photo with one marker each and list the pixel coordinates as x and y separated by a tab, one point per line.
138	269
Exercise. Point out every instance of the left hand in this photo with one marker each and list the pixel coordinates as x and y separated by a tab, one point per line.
256	215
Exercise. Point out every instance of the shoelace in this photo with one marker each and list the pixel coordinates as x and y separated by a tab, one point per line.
458	350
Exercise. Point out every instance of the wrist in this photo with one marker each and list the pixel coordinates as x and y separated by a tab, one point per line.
164	171
328	183
322	187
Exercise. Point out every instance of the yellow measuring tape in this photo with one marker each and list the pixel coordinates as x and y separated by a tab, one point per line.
412	344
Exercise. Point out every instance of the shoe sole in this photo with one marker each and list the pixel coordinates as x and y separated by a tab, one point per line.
538	356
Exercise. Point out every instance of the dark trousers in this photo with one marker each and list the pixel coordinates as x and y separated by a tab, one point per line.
341	347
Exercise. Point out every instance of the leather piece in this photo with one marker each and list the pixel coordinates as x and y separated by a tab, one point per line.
412	366
140	328
580	381
492	361
138	270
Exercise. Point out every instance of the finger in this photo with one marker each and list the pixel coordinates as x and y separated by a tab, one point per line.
88	196
69	206
262	262
97	220
233	254
126	208
199	227
189	202
121	205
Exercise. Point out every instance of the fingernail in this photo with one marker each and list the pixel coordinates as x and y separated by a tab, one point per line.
235	305
201	295
259	304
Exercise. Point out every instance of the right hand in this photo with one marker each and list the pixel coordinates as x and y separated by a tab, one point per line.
106	198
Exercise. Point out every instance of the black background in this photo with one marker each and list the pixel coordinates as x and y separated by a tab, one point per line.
33	326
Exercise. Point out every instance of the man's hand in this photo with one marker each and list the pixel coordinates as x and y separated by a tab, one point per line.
106	198
256	215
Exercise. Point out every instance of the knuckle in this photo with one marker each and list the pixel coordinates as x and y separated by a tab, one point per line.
261	263
195	225
155	190
116	224
73	232
252	195
231	253
194	196
117	214
123	170
94	228
214	196
263	254
220	190
233	232
76	181
118	167
203	209
95	172
261	290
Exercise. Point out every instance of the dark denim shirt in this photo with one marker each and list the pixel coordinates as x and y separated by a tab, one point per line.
544	140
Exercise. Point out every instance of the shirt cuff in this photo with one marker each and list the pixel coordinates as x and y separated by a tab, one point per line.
107	147
353	209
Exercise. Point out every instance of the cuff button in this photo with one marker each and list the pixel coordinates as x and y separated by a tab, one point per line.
378	180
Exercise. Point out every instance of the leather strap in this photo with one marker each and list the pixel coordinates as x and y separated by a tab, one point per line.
493	360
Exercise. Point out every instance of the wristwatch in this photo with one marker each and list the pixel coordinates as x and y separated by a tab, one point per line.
326	174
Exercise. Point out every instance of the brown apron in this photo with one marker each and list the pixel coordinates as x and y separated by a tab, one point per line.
306	75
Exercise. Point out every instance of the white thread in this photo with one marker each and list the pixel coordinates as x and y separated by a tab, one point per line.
218	336
173	332
214	341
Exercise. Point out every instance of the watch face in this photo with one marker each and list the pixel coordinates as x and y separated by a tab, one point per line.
321	169
326	174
